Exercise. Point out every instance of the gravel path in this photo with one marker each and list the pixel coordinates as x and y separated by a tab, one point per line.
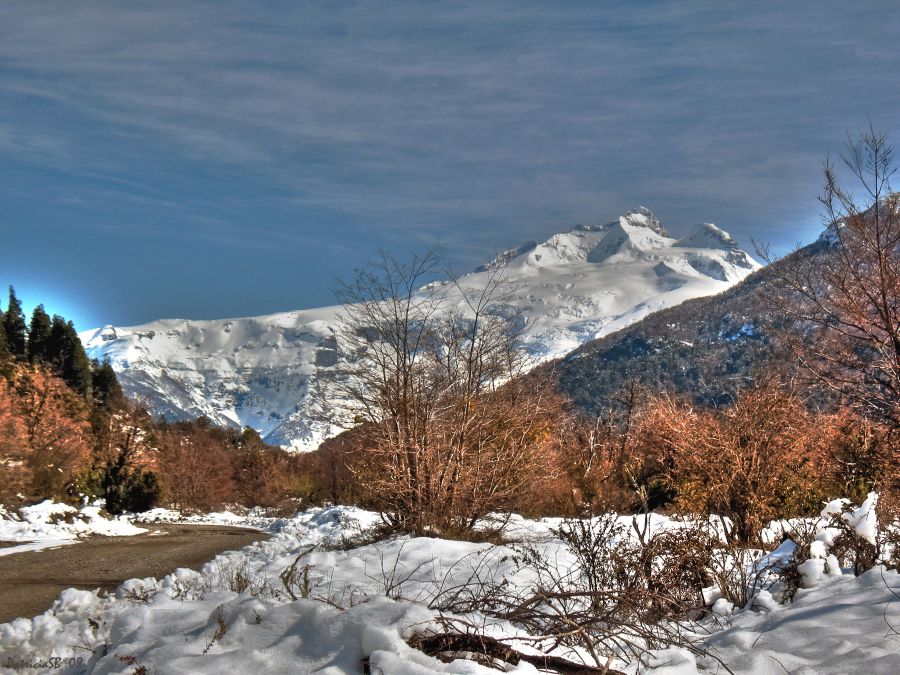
31	581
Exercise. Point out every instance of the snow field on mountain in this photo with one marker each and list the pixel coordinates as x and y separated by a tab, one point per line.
356	600
266	372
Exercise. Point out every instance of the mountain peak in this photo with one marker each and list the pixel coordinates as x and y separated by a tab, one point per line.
707	235
635	233
643	217
504	257
264	371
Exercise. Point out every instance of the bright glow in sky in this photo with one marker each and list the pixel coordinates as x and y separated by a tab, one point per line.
53	304
206	160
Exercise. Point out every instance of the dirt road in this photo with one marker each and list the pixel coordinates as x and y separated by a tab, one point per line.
31	581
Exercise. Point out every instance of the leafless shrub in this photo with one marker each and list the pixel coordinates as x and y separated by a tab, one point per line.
366	537
850	549
448	433
238	579
845	543
195	466
89	643
889	526
751	461
139	596
622	597
393	575
740	572
219	633
193	588
472	583
235	578
595	544
845	303
629	591
803	533
295	579
130	660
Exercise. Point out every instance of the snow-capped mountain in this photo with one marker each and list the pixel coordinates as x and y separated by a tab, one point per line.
264	372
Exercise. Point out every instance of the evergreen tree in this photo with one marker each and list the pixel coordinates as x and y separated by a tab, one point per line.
77	371
134	491
66	353
250	438
106	389
56	341
14	325
39	335
6	362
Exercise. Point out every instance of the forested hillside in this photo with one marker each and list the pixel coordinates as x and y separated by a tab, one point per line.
708	348
69	433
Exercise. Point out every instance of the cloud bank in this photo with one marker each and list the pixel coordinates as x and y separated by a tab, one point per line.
288	140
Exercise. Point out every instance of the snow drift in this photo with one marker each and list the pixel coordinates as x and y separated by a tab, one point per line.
363	601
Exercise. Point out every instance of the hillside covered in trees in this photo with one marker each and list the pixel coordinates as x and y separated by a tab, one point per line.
67	432
706	348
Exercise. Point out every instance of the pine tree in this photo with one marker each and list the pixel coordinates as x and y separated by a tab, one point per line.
39	335
107	391
56	341
77	370
66	353
6	362
14	325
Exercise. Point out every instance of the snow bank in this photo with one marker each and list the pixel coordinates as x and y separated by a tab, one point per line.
51	524
354	601
845	624
175	624
254	518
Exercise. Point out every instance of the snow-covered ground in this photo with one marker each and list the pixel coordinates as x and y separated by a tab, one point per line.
50	524
237	516
354	599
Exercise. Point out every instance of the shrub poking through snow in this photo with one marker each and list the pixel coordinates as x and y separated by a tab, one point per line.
296	580
612	593
220	631
844	537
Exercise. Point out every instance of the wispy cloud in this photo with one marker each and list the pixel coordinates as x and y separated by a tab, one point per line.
297	124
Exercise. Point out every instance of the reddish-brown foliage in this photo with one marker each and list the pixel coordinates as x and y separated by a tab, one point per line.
758	458
56	430
195	466
263	476
15	472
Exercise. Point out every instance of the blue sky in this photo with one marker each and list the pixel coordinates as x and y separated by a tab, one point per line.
225	159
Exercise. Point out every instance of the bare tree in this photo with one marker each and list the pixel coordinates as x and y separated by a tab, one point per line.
444	440
844	305
124	456
195	466
387	326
